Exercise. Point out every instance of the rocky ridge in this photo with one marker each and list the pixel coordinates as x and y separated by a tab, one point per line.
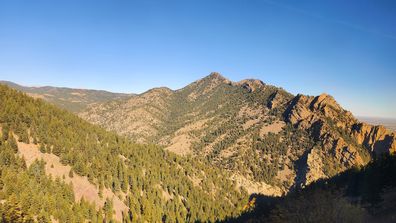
347	141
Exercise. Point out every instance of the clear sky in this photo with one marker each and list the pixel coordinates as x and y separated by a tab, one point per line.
346	48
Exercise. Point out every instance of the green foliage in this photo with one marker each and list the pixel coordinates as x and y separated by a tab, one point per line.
71	174
29	192
108	209
42	148
74	100
144	173
272	152
11	211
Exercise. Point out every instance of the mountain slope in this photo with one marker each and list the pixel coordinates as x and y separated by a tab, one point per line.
82	188
75	100
366	194
254	130
153	184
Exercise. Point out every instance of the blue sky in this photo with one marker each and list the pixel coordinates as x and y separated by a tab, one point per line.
346	48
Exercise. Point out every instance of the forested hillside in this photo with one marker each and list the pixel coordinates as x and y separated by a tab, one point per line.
27	193
154	184
74	100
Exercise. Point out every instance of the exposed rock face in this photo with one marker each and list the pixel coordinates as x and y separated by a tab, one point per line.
377	138
298	110
304	111
342	138
348	155
314	166
277	99
250	84
326	104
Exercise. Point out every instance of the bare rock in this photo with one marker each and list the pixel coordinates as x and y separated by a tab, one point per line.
314	167
250	84
347	154
298	109
315	113
377	138
275	100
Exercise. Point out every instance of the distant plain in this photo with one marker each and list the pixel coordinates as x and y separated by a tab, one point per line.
389	123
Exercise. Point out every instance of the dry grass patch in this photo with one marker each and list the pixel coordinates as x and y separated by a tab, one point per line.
273	128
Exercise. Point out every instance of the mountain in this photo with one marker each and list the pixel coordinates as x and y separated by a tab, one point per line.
75	100
204	150
56	167
269	140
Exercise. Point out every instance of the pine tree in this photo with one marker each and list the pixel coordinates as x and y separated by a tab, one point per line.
12	142
42	148
71	173
108	209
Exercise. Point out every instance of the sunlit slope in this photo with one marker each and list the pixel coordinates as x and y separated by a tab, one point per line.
270	140
154	184
74	100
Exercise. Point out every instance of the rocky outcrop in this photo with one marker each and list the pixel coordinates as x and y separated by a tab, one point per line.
339	136
250	84
314	167
278	99
307	109
333	148
326	104
377	138
298	110
312	113
346	154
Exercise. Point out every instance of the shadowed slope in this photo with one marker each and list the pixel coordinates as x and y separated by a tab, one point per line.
357	195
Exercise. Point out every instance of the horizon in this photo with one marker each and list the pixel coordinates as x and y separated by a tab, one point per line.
308	47
361	117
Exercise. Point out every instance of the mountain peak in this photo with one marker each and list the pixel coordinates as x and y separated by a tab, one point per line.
319	102
213	79
215	75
